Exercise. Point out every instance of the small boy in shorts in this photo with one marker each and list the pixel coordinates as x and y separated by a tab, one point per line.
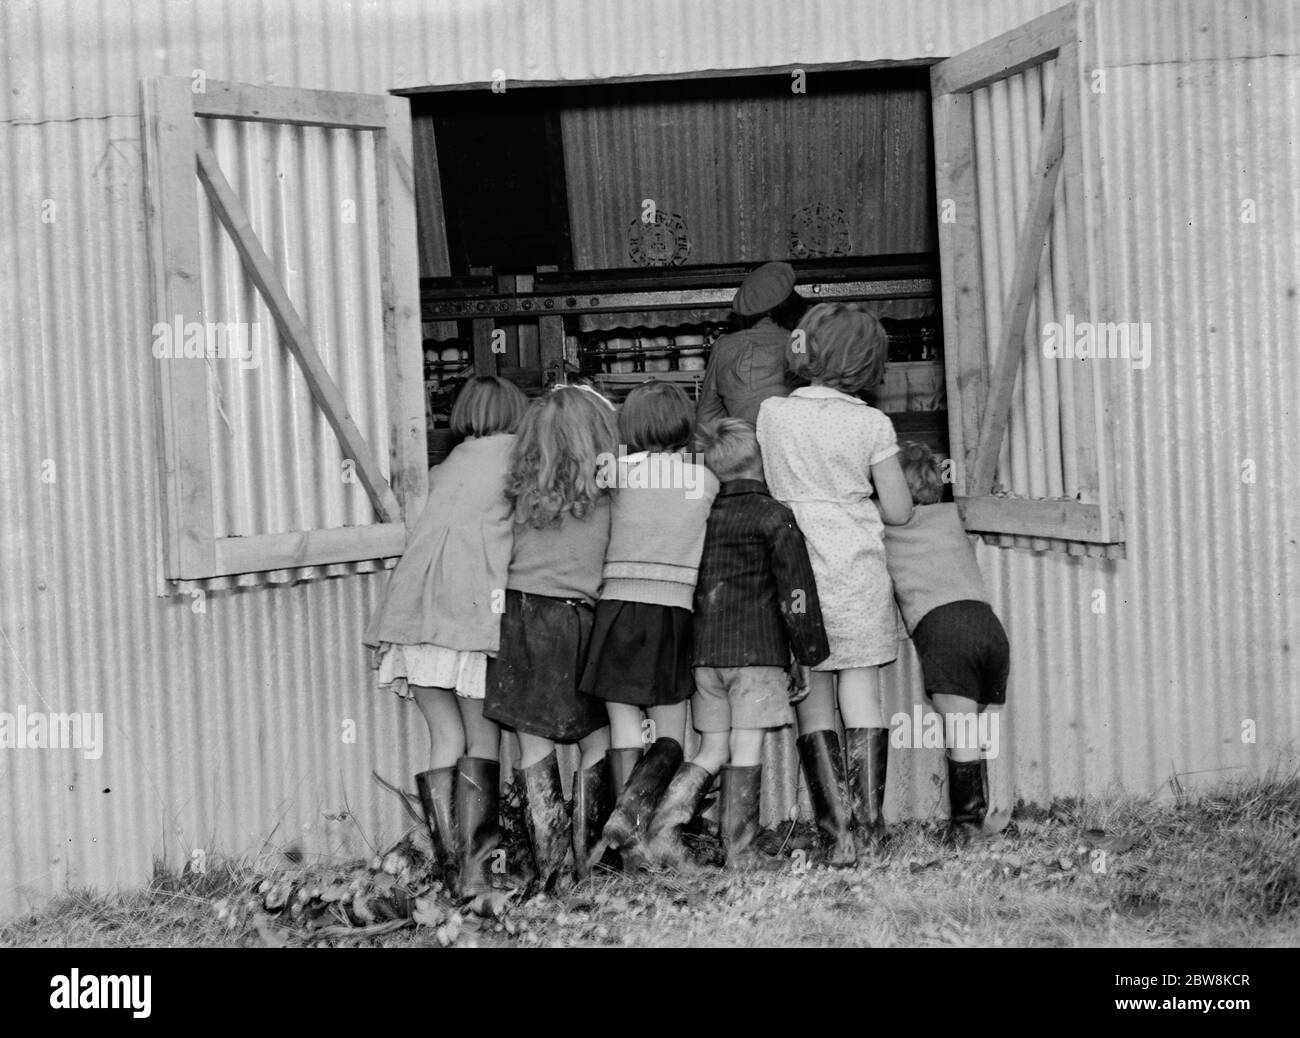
755	604
963	649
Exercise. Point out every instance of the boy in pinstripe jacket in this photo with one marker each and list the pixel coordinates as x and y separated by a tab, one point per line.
755	605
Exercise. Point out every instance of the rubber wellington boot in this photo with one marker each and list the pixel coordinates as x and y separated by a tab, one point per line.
685	794
621	765
741	788
591	806
867	750
478	801
436	790
549	830
967	800
637	803
824	769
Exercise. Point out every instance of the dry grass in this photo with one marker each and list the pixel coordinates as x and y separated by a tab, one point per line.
1222	869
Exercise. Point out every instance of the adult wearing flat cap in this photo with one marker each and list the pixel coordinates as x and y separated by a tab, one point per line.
749	365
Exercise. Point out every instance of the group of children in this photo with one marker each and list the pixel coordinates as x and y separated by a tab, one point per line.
581	573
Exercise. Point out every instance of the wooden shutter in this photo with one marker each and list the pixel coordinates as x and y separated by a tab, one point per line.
1016	173
206	533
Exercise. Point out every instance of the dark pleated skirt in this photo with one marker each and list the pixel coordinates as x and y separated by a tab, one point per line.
532	683
640	654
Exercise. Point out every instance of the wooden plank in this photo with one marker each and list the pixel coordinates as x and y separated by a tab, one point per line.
1082	299
1005	55
271	551
960	277
551	335
434	258
1087	229
400	293
1029	255
485	361
230	211
293	105
1037	517
169	134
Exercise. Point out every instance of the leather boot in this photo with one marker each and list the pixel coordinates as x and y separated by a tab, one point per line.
824	769
682	799
436	790
637	803
549	830
867	750
591	806
478	801
741	788
967	799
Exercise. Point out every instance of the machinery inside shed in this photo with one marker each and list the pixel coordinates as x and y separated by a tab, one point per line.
600	231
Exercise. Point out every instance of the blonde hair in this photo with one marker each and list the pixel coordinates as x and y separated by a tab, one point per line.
730	448
842	346
556	459
921	470
487	405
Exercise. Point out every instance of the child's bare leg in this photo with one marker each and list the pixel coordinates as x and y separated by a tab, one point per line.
533	748
593	747
714	751
625	728
961	725
860	705
446	733
817	711
669	722
482	737
747	747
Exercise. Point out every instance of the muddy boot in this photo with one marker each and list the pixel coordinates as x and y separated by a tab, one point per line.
967	800
478	801
637	803
549	831
824	769
437	798
591	805
741	788
521	869
682	800
867	750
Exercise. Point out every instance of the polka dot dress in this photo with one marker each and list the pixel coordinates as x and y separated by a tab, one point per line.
818	448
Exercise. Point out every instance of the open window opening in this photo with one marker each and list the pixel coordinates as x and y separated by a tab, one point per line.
600	230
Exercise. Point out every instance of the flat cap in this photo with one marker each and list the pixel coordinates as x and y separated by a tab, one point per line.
764	288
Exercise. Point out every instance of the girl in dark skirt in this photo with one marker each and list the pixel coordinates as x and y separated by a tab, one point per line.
640	656
561	530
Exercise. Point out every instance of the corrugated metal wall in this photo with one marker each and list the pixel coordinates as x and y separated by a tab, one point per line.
225	727
752	178
310	195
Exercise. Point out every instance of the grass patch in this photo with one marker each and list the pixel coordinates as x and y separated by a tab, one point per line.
1220	869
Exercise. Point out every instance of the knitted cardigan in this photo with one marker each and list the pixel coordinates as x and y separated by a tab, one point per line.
661	510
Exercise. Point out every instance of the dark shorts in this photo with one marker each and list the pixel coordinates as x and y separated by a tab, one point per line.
964	652
640	654
532	683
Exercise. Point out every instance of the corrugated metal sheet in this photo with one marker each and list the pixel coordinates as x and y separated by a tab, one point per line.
310	194
752	178
225	728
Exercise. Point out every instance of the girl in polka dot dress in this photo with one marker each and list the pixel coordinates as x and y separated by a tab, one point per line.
832	458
